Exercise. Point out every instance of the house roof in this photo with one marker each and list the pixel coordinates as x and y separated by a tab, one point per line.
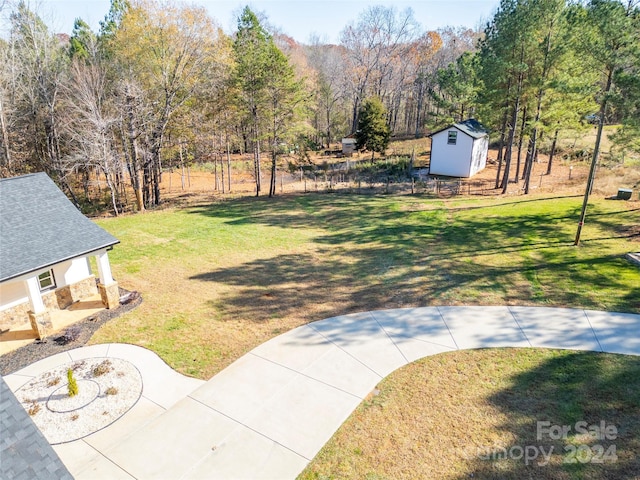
40	227
471	127
24	451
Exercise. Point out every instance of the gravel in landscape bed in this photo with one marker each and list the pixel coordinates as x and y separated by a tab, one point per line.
107	389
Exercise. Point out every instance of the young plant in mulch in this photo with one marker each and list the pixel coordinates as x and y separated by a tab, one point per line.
33	408
102	368
73	385
53	382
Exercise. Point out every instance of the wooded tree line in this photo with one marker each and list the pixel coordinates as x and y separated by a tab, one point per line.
160	84
543	66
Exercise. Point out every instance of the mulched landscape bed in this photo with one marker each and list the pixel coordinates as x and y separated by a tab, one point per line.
75	336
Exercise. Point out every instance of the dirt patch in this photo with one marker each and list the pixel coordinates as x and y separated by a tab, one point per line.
631	231
567	177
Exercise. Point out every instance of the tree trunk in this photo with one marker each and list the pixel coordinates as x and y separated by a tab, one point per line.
533	141
512	130
222	173
505	118
552	153
256	158
594	160
135	170
228	163
215	172
272	186
512	133
328	112
419	102
354	122
520	141
112	191
5	138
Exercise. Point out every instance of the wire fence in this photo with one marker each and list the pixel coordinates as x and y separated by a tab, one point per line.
329	181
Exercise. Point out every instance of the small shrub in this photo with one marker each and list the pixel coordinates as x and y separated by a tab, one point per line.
74	417
33	408
53	382
111	391
78	365
102	368
73	385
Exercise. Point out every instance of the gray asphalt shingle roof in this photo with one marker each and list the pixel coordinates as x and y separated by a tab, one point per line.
40	227
24	452
471	127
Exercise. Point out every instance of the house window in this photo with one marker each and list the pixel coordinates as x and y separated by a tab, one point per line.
46	281
453	137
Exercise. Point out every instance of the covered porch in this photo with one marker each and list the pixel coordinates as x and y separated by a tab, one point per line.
22	335
50	312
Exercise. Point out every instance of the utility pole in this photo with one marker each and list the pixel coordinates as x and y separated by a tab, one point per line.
594	160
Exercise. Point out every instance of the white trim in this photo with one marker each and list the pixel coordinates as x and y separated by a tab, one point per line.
35	297
52	279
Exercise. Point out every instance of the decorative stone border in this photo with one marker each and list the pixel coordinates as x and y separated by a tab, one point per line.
107	389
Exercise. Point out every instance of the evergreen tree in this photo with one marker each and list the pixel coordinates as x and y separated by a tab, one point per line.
72	385
458	88
285	98
82	42
252	49
373	131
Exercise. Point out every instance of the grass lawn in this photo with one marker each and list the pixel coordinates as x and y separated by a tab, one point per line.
219	279
474	414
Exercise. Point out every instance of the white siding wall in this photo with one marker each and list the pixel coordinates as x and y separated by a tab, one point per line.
14	293
72	271
479	158
451	160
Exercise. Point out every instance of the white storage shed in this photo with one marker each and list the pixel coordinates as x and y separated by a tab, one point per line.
459	150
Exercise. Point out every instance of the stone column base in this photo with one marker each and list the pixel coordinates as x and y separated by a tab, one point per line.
110	295
40	323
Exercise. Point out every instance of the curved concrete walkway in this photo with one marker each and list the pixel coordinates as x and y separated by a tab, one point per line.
271	411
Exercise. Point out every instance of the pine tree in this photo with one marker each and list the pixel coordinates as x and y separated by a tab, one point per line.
252	48
284	100
373	131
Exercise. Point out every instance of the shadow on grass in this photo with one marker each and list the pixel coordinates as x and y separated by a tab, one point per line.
569	387
384	252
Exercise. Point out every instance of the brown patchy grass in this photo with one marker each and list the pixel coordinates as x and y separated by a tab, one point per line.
445	416
220	275
218	279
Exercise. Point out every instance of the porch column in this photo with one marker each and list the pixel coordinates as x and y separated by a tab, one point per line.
107	286
104	268
39	316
